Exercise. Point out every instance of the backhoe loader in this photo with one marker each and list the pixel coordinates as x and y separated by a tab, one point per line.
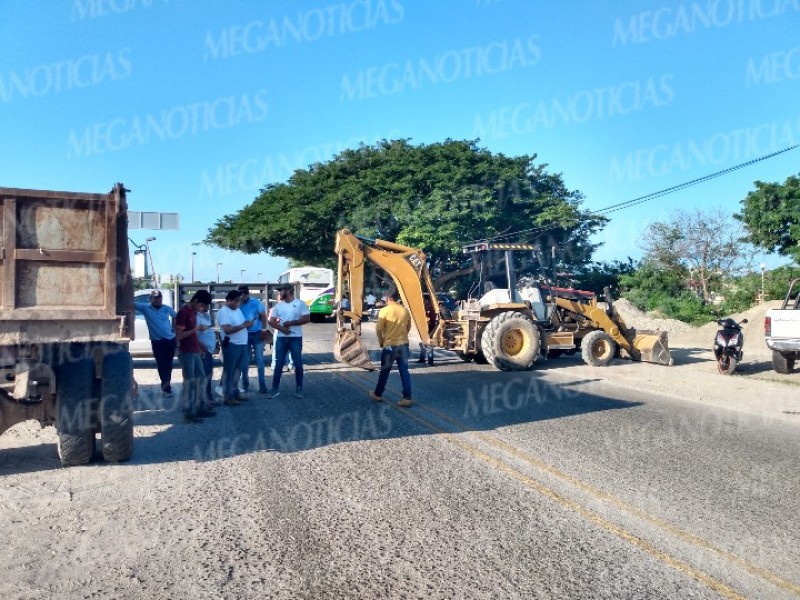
507	328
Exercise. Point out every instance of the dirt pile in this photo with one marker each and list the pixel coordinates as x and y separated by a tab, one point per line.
684	335
638	319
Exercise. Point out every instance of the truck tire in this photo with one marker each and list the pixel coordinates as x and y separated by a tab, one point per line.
74	410
511	342
116	406
597	348
782	364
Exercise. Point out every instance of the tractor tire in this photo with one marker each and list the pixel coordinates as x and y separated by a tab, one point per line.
511	342
597	348
116	406
74	379
465	357
782	364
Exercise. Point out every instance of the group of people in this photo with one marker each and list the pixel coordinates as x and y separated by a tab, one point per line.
243	323
244	327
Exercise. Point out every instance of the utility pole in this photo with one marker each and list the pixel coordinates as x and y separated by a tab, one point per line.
150	256
218	266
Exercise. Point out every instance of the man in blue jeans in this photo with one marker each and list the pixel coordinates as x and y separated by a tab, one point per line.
162	337
253	310
287	317
394	323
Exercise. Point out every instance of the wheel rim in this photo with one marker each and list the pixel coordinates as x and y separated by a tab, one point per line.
601	349
514	342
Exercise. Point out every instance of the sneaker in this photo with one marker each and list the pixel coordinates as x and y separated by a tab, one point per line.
232	402
167	393
191	418
298	393
375	397
405	403
430	362
273	394
262	390
206	412
219	391
420	360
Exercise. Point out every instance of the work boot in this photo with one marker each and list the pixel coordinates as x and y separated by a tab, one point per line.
375	397
232	402
421	359
405	403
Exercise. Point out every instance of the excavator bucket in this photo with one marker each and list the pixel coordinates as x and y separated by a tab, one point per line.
349	349
651	346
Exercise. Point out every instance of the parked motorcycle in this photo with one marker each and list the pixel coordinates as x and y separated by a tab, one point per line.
728	345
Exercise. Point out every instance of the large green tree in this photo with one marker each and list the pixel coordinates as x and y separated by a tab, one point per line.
431	196
771	215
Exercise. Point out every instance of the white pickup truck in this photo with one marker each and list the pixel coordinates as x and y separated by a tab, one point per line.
782	330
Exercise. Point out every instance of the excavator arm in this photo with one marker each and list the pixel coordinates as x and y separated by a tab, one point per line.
408	269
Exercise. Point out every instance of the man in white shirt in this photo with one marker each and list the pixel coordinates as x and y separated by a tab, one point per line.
287	317
235	351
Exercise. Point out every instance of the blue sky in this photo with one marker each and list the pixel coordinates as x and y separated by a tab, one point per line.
195	105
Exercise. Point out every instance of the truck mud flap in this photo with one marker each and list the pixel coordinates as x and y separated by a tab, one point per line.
349	349
652	346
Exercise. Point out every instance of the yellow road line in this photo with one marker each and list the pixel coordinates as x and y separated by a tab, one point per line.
621	504
589	514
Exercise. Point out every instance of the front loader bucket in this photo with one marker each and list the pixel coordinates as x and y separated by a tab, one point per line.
652	346
349	349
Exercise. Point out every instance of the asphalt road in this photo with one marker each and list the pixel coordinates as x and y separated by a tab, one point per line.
562	482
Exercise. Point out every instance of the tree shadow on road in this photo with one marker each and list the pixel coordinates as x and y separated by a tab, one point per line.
450	396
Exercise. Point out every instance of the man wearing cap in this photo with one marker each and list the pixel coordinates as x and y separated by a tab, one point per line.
253	310
162	337
287	317
233	326
193	395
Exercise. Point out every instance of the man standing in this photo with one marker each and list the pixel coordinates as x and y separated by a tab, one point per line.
394	323
233	326
191	363
253	310
162	337
287	317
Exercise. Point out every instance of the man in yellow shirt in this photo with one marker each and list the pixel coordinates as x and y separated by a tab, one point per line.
394	323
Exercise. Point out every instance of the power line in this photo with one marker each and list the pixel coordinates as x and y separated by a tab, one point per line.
645	198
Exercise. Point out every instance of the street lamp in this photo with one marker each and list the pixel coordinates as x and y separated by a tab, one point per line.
218	266
763	266
241	279
149	254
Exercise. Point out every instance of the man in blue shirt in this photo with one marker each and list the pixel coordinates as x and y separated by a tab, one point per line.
162	336
253	310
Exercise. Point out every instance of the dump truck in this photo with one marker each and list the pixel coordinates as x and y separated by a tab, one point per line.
782	330
508	328
66	319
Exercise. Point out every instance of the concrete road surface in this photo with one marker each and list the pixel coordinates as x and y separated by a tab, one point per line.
633	481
